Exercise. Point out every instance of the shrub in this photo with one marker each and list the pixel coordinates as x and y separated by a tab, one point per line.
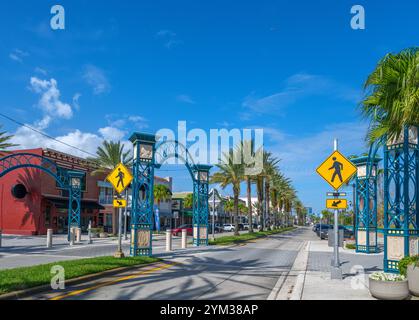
382	276
407	261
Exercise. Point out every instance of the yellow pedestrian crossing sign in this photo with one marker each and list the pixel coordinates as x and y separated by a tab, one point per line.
119	203
336	170
336	204
120	178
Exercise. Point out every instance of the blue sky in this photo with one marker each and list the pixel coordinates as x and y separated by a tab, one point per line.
293	68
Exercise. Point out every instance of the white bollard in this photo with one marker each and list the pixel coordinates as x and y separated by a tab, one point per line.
78	235
184	238
89	232
169	240
49	238
72	236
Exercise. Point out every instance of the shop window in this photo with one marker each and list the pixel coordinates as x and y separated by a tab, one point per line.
47	215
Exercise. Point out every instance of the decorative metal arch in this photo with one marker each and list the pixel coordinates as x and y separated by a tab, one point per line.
172	149
68	180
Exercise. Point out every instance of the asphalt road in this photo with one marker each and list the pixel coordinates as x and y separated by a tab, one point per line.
21	251
247	271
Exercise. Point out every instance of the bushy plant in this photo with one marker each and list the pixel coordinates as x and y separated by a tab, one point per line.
383	276
407	261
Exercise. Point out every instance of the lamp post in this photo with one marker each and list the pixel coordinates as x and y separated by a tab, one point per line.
142	194
401	198
74	181
366	203
200	204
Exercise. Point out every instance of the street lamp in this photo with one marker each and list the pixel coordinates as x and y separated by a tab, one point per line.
366	203
200	204
401	198
142	207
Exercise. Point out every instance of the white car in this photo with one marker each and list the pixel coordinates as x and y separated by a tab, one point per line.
228	227
246	226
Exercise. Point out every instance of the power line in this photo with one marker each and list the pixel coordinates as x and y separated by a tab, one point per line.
45	135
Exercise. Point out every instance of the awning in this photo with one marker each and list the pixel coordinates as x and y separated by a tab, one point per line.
85	204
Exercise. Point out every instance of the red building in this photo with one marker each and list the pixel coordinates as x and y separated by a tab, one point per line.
45	206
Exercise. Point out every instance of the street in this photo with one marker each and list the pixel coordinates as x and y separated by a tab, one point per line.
248	271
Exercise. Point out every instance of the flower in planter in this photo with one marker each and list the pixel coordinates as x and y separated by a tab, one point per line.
383	276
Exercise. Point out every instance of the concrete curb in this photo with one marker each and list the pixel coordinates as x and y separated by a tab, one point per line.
291	285
16	295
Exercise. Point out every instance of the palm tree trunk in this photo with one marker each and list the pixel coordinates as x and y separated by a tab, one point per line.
249	203
236	212
268	196
260	200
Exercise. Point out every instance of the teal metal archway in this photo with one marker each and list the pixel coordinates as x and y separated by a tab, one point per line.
149	155
67	180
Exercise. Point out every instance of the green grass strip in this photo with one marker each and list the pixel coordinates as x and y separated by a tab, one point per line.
229	240
28	277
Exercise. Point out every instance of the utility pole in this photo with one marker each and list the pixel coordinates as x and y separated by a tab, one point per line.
125	216
336	272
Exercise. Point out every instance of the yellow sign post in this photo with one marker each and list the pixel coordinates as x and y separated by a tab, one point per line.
120	178
336	204
336	170
119	203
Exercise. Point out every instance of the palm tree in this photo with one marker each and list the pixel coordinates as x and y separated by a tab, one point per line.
161	193
230	174
270	168
247	148
109	155
392	99
188	201
4	142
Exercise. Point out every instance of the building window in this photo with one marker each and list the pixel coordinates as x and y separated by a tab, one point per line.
47	215
105	196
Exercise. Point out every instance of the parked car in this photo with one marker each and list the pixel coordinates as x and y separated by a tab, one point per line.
246	226
217	229
323	230
229	227
241	226
178	231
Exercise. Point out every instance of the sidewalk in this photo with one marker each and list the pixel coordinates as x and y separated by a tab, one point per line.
309	279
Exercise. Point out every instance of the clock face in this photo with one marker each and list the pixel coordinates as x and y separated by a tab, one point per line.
146	152
203	176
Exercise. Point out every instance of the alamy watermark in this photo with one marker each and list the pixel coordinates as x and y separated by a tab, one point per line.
221	146
58	20
58	278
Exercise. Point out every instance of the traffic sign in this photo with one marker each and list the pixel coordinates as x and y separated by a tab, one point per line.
336	170
120	178
336	203
119	203
336	194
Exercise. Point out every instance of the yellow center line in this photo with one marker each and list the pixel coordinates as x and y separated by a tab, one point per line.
111	282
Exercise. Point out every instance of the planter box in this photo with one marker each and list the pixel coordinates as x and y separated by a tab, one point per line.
389	290
413	279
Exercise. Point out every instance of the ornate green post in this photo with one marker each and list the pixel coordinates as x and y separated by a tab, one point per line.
366	204
74	190
142	194
200	204
401	199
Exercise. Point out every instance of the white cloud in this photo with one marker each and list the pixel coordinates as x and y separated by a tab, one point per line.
50	102
169	38
185	98
298	86
76	98
97	79
18	55
301	155
41	71
112	133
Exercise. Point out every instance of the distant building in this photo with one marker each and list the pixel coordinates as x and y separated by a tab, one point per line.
46	204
